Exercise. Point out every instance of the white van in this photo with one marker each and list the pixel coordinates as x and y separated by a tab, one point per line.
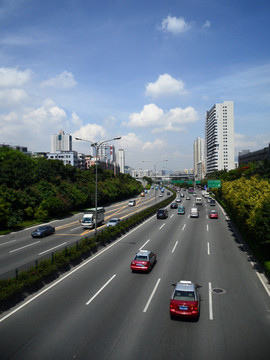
198	201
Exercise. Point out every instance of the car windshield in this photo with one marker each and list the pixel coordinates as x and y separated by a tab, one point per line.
141	257
113	221
184	295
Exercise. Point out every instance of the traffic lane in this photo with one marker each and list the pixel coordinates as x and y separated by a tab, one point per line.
18	252
184	264
149	331
53	338
240	303
63	303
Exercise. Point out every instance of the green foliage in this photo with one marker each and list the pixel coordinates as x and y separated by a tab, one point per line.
37	188
248	202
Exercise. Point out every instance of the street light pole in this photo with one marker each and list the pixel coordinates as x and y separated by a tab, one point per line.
97	145
155	174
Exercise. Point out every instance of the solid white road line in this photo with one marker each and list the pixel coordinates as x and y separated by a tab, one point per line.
24	247
174	246
144	244
153	293
55	247
99	291
210	301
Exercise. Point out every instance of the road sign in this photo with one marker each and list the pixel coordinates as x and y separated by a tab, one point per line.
214	184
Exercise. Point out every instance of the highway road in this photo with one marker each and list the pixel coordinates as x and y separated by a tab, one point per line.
19	248
101	310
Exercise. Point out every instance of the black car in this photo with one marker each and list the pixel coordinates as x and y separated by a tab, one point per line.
162	214
42	231
174	205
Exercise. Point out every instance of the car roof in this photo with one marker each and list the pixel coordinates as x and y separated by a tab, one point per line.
185	285
143	252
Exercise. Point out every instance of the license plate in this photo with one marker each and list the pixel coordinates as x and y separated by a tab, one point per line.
183	307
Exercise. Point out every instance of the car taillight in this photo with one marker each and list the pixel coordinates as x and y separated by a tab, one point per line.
194	307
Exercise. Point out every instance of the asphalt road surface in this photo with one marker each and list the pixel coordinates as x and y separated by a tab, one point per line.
101	310
19	248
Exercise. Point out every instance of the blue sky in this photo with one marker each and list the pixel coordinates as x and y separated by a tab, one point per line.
144	70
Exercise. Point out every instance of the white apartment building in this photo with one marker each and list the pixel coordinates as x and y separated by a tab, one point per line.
61	142
199	158
68	157
219	137
121	160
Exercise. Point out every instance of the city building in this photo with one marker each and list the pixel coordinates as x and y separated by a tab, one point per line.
22	149
121	160
106	152
199	158
246	156
219	137
68	157
61	142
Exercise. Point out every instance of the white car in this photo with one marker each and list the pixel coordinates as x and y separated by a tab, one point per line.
194	212
132	203
113	222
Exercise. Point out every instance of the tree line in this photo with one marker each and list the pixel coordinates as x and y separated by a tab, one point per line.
38	189
245	193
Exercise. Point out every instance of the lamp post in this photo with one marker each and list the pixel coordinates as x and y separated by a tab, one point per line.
97	145
155	172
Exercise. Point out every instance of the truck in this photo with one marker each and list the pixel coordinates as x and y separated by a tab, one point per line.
89	217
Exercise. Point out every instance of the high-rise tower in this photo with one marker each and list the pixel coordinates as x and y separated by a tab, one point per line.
219	137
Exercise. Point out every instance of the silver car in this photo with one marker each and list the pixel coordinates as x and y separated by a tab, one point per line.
113	222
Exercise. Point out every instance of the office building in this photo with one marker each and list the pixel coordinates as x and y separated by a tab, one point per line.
199	158
219	137
246	156
61	142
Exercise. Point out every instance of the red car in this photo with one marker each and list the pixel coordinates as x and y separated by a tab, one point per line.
144	260
213	214
185	300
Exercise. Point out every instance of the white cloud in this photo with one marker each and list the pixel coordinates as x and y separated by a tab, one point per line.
12	97
157	144
253	142
48	115
153	116
91	132
165	85
13	78
129	141
175	25
63	80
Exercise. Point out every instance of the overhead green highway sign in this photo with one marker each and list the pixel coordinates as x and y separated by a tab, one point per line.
214	184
